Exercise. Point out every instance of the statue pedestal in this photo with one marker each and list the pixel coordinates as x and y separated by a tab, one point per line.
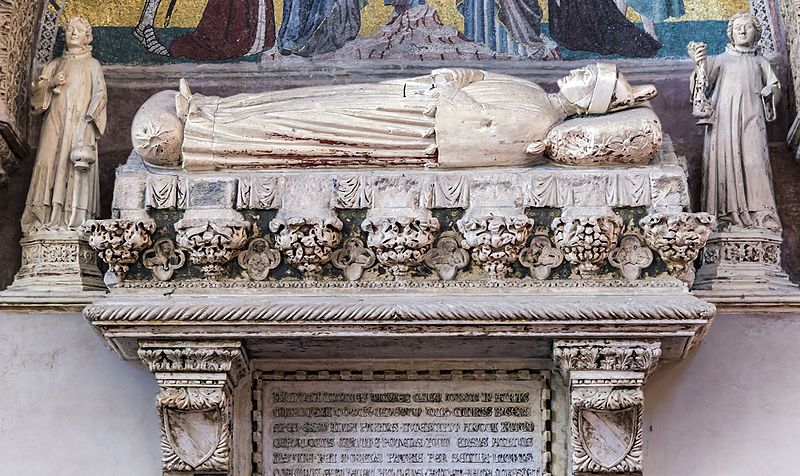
55	264
743	261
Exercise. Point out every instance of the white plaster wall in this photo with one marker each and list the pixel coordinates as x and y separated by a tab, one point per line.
731	408
68	406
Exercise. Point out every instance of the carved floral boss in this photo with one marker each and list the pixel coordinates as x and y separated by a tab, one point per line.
403	245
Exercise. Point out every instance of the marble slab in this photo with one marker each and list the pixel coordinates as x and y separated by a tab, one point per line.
406	428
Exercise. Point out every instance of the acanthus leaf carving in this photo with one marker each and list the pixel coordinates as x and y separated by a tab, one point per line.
606	355
307	242
119	242
211	243
400	243
678	239
587	239
495	241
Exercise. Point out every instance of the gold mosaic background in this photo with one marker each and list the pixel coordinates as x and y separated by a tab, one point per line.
187	13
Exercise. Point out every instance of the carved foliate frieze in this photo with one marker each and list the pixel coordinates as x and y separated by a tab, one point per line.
678	239
447	257
541	256
587	239
400	243
307	242
353	258
211	243
606	355
163	259
495	241
756	251
119	242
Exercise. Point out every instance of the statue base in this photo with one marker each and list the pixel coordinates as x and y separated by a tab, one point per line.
743	261
56	262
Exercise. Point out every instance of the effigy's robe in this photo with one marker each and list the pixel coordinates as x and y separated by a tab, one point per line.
736	168
75	116
488	122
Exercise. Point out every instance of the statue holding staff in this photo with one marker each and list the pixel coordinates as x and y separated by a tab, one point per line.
737	179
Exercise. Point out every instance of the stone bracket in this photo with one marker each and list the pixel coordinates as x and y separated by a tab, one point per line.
196	381
606	402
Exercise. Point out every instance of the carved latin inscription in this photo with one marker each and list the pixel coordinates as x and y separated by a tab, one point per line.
383	428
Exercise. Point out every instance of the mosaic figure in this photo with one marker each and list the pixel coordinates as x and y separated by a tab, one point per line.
653	11
318	26
505	26
598	26
228	29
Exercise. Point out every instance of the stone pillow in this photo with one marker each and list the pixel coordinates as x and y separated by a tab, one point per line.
632	137
157	131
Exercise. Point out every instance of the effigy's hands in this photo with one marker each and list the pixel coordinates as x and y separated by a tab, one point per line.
766	91
455	77
437	94
536	148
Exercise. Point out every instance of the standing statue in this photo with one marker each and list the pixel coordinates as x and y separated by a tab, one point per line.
71	92
450	118
737	179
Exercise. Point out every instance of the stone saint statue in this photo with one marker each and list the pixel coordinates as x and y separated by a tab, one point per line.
450	118
71	92
737	179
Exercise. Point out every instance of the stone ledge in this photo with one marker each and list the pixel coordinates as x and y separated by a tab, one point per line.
46	301
728	302
665	314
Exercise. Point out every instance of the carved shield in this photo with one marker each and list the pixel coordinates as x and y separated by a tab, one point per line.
193	435
608	435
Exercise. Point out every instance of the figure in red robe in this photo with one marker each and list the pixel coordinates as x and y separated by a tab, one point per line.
228	29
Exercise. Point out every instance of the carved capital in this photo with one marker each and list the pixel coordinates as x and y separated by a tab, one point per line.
678	239
211	243
119	242
306	242
196	381
606	355
400	243
605	379
586	239
495	241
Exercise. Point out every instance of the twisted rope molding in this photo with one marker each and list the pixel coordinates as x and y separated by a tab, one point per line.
364	312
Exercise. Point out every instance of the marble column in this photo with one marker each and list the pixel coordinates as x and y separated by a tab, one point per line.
605	379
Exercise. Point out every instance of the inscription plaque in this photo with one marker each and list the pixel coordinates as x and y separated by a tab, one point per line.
404	428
